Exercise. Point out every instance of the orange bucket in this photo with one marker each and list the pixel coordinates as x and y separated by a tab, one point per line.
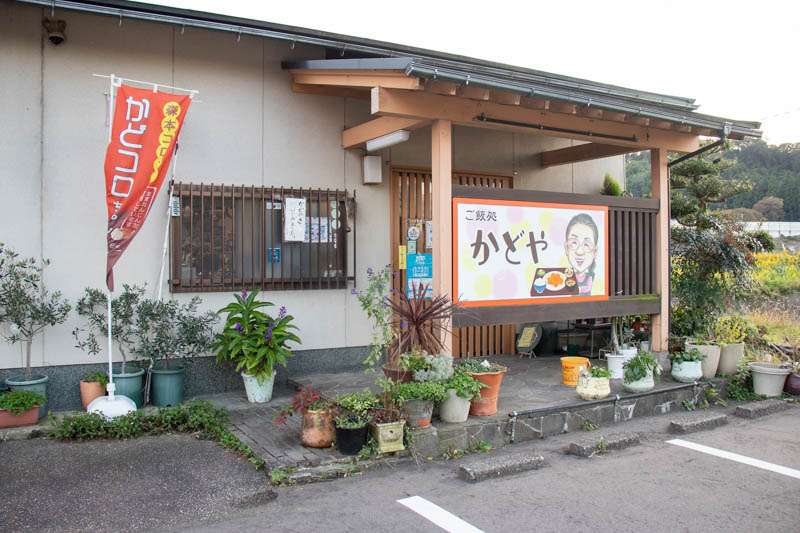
570	369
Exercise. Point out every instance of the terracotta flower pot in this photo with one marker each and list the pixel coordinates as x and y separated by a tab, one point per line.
89	391
397	374
418	413
25	418
317	429
487	405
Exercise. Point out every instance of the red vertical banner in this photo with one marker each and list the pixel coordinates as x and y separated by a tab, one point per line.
145	129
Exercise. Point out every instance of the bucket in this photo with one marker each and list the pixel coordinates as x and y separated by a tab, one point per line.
615	362
571	368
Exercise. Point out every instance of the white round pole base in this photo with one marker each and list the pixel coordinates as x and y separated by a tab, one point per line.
109	408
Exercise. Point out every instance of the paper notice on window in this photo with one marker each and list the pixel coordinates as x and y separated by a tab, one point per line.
294	219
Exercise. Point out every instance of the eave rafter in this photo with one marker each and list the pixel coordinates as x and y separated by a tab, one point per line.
394	79
584	152
423	105
375	128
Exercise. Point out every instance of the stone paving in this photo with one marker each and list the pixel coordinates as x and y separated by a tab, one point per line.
528	384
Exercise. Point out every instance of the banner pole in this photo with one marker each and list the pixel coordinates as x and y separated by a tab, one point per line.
166	234
110	387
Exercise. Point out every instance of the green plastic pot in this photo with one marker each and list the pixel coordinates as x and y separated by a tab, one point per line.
37	384
130	384
166	386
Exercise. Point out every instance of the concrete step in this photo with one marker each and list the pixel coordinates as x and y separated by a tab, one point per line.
762	408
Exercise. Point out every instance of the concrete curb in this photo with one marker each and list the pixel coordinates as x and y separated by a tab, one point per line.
493	467
588	448
342	468
759	409
690	425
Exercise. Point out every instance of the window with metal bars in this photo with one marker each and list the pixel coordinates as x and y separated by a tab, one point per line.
227	238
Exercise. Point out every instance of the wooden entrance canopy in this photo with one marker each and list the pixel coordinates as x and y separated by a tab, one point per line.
408	93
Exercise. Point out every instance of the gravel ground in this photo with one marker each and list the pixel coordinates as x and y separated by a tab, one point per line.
151	483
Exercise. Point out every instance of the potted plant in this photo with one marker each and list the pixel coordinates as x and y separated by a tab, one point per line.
128	375
793	380
420	322
417	399
490	374
20	408
706	343
769	374
92	386
255	343
730	332
170	335
352	421
461	389
687	366
594	384
386	427
27	306
317	430
639	371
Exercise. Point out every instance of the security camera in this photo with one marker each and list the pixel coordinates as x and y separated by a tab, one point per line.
55	30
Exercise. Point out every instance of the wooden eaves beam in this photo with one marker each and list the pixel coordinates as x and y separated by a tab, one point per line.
375	128
389	102
584	152
355	78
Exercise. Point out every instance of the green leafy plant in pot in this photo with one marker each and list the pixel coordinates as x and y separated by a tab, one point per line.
461	390
594	384
417	400
27	307
92	306
255	343
19	408
687	365
490	374
638	372
352	420
171	334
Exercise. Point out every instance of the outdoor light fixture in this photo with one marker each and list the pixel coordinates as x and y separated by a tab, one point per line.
396	137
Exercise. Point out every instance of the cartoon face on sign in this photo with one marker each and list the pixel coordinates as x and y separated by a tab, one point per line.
580	246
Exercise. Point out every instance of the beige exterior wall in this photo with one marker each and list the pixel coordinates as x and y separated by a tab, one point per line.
245	127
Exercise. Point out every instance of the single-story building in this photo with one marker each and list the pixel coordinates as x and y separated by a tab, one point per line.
284	112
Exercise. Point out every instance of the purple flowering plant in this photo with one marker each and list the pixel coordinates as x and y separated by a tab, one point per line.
252	339
374	301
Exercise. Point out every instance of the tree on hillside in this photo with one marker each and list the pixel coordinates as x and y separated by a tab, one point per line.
697	182
743	214
771	207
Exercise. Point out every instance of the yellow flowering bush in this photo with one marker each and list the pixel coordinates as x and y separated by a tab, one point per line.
777	273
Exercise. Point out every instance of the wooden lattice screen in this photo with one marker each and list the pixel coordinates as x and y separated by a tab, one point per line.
411	201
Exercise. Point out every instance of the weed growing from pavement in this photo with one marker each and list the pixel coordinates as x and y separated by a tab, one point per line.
452	452
602	444
689	405
200	418
280	476
589	426
480	446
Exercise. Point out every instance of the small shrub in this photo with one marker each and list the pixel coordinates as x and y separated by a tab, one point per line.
611	186
19	401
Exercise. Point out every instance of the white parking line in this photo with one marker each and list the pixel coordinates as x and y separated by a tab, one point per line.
444	519
791	472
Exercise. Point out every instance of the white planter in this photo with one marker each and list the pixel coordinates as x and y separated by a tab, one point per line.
615	362
687	372
454	409
590	388
258	393
711	362
768	378
642	385
729	358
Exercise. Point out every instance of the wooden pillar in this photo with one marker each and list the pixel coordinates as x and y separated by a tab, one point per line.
442	200
660	191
